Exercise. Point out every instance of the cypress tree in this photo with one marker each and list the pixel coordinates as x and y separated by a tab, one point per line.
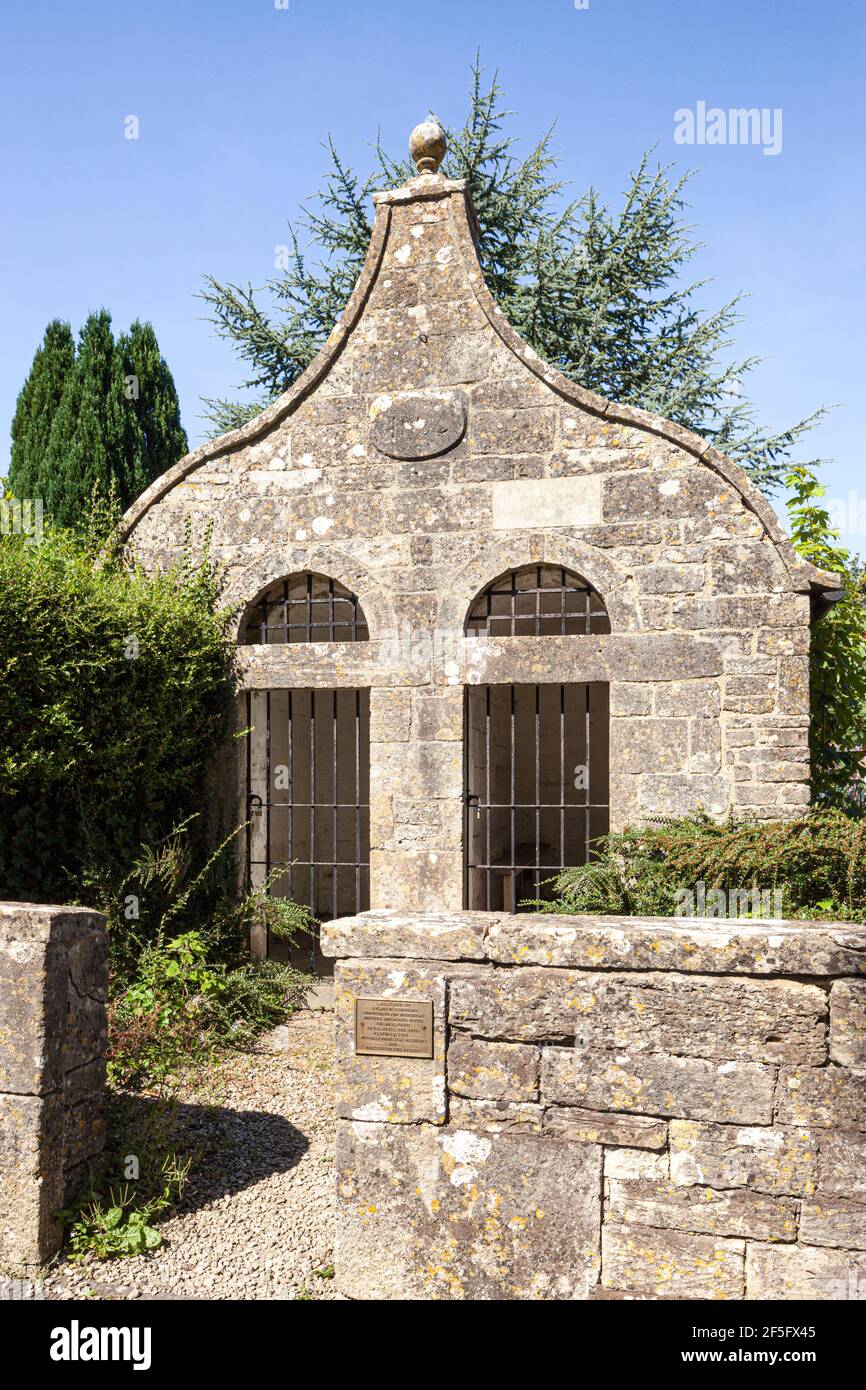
155	437
86	445
36	407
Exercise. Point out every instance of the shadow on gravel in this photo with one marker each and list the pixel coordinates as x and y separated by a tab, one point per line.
230	1149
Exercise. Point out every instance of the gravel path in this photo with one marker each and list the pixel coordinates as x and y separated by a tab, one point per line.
256	1218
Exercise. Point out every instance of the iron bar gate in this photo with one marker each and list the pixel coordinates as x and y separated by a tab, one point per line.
308	790
535	787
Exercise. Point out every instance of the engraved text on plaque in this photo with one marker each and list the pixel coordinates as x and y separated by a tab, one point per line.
394	1027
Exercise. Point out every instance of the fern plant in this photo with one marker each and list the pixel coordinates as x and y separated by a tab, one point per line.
817	861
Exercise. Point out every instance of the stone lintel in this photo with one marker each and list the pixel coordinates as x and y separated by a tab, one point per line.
416	657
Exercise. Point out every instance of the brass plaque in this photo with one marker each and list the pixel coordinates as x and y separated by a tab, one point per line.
394	1027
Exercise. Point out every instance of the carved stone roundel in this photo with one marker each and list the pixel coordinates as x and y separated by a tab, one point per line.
418	427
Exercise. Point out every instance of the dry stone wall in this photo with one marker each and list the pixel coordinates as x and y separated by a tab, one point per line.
614	1108
53	992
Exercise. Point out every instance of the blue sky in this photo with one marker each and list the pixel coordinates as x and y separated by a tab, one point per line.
235	96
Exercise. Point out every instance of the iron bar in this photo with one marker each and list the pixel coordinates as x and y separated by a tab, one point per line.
249	711
487	767
537	789
305	863
586	793
562	772
313	885
334	811
512	777
267	812
305	805
468	754
290	766
358	800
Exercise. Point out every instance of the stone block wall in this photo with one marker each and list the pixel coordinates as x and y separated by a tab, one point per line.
614	1108
53	991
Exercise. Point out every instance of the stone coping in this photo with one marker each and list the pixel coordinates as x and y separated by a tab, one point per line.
732	946
39	920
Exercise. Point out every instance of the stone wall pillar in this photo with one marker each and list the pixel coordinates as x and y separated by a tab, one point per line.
608	1108
53	993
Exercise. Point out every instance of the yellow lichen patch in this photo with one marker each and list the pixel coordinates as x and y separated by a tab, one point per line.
583	1004
625	1089
440	1272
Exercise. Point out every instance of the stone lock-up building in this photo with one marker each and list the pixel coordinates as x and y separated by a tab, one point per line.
484	616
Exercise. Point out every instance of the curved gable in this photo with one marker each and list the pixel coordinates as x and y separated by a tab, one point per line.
421	323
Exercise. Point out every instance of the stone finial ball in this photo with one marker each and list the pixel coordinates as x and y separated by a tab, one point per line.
427	146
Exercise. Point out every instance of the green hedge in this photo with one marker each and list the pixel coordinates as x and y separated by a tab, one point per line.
113	698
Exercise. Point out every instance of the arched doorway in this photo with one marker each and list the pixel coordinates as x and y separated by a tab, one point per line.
308	761
536	774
